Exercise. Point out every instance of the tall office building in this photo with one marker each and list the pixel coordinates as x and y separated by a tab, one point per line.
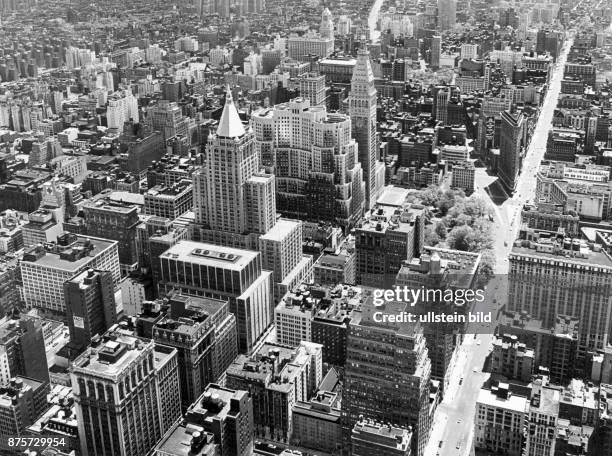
127	394
228	415
436	51
252	7
552	274
314	159
319	44
387	375
90	306
384	241
312	87
22	400
277	377
22	348
326	29
442	96
118	222
235	204
198	269
220	185
441	269
45	269
447	14
362	109
203	331
511	144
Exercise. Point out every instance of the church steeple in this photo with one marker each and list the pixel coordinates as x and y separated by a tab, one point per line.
230	125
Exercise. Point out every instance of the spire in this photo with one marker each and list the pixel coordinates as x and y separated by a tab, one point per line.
363	68
230	125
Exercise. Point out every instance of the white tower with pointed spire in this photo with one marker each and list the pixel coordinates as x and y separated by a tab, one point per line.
220	184
362	109
326	29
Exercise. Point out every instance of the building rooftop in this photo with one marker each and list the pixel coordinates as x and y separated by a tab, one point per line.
548	244
385	434
281	229
69	253
393	196
565	326
215	403
210	255
186	439
111	355
274	365
580	394
501	397
453	267
389	218
324	302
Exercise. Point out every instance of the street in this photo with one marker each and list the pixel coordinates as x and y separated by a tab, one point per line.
454	420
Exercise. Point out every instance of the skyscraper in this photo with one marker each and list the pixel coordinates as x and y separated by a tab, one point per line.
118	222
22	348
198	269
552	274
326	29
235	202
447	14
127	394
387	374
203	331
220	184
90	306
436	50
362	109
511	144
314	159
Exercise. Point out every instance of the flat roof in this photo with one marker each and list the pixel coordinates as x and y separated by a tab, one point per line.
281	230
393	196
210	255
513	403
600	258
178	442
53	260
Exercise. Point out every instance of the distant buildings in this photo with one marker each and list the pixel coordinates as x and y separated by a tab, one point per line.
447	14
512	144
313	44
